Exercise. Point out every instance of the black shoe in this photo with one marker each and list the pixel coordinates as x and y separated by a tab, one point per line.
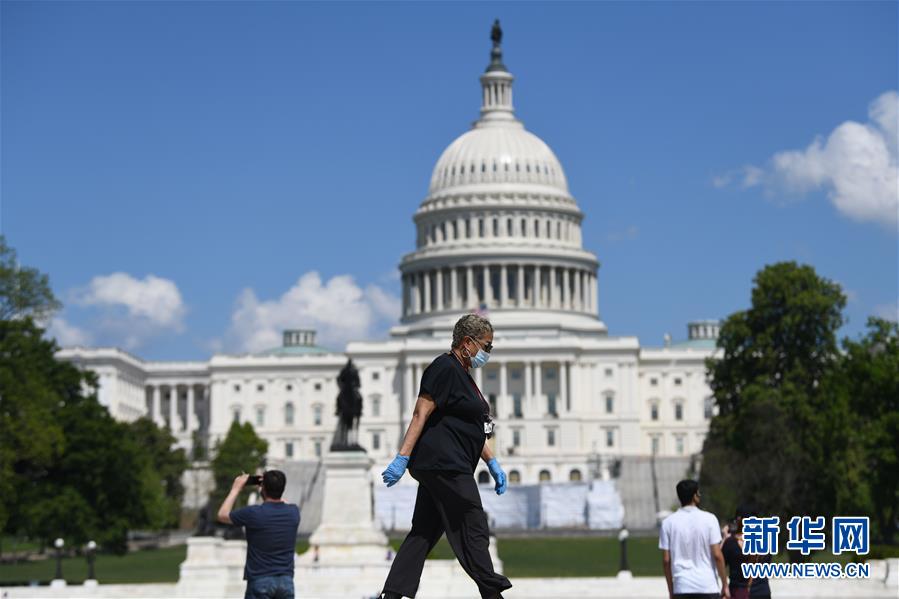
389	595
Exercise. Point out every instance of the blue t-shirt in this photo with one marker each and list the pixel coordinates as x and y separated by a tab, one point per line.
271	529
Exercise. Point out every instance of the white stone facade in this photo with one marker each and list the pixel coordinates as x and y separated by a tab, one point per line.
498	232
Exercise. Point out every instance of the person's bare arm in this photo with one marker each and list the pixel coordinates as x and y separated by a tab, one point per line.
666	566
424	405
486	453
224	514
718	556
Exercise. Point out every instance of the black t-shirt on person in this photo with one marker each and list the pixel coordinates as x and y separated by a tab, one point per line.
453	436
733	557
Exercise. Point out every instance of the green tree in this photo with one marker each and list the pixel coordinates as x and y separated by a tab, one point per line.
169	463
23	291
869	377
241	451
781	433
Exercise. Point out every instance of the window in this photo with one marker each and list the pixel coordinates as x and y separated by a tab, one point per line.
491	398
653	381
545	476
480	227
483	477
551	404
491	375
610	438
514	477
655	444
260	416
260	387
516	374
550	437
237	388
654	411
376	406
610	403
495	227
550	373
376	441
679	444
516	438
708	405
516	406
677	381
288	449
235	414
678	411
318	386
317	415
609	372
574	475
288	414
290	387
318	448
375	376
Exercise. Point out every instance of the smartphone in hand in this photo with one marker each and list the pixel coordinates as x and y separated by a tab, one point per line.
254	479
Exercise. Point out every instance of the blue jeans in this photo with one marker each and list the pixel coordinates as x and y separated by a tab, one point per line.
270	587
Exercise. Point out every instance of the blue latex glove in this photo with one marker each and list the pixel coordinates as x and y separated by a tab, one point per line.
498	475
395	470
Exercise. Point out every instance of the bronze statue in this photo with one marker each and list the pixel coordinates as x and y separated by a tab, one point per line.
349	410
496	33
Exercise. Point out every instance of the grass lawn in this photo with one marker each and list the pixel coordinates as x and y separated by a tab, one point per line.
149	565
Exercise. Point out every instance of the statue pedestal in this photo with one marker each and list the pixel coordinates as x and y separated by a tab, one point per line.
347	533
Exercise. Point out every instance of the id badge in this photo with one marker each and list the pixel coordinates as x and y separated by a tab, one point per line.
488	427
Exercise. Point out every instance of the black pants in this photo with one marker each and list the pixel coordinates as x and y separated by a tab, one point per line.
447	502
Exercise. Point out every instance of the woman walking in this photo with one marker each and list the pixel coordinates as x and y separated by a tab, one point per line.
448	432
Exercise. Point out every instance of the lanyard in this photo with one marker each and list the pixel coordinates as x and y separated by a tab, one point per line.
474	384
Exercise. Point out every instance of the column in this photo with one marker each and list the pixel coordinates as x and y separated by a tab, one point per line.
406	303
438	274
538	388
566	290
156	404
520	284
191	420
427	286
563	387
416	293
454	288
488	287
594	289
502	401
553	291
479	377
173	407
528	387
503	286
578	289
537	284
469	286
460	227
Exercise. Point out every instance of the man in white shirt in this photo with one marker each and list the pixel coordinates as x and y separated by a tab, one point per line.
690	541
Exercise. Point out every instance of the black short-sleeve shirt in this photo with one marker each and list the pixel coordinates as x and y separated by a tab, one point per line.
453	436
733	557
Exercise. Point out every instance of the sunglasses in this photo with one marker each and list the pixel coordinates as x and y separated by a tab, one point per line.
487	348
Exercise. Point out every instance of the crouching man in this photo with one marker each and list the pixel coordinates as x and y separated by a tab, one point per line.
271	530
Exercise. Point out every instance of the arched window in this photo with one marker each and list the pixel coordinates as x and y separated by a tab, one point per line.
317	415
483	477
288	414
574	475
654	410
678	410
545	476
708	406
514	477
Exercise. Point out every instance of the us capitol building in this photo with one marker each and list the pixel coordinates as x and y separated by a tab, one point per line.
500	232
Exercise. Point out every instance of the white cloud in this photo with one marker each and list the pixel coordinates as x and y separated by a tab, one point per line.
128	311
856	164
67	334
888	311
154	299
339	310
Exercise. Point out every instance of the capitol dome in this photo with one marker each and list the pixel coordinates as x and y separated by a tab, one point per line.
498	231
497	154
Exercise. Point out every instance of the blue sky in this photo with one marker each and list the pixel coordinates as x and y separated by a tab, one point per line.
195	176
